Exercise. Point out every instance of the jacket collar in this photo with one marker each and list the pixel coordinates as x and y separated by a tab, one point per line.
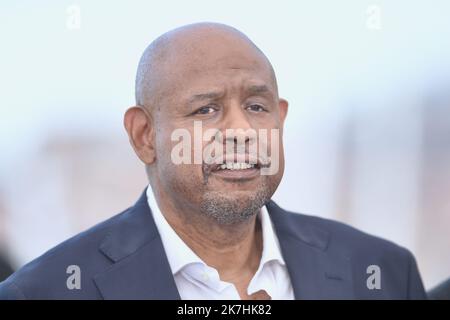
140	269
317	270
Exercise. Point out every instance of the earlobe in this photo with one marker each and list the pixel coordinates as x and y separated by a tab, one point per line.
139	126
283	106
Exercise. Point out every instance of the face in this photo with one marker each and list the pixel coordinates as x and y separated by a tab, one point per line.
220	86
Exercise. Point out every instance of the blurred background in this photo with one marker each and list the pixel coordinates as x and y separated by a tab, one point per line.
367	136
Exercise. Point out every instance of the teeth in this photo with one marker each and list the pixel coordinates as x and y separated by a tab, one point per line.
236	166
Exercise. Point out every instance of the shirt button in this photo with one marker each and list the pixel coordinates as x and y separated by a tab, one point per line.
205	276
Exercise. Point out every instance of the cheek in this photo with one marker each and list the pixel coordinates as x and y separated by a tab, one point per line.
185	182
281	151
175	154
276	151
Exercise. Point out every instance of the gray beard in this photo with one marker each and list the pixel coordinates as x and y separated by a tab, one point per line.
228	211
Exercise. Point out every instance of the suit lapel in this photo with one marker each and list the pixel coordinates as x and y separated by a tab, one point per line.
141	269
315	271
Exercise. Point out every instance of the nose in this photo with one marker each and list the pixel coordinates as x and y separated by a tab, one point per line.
237	129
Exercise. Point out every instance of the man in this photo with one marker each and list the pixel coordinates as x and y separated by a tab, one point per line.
440	292
206	227
5	267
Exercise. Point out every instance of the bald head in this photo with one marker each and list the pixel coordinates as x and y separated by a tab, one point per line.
193	48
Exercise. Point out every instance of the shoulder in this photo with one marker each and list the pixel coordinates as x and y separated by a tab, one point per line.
363	252
335	235
52	269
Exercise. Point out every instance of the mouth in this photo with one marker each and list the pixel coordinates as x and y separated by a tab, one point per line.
236	171
240	169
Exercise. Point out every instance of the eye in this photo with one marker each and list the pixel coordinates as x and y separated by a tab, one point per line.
206	110
256	108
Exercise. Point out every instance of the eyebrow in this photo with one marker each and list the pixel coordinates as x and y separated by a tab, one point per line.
205	96
214	95
258	89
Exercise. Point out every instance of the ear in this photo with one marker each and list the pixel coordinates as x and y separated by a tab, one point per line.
139	125
283	106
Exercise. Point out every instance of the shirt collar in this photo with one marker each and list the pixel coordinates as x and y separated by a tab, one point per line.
271	246
180	255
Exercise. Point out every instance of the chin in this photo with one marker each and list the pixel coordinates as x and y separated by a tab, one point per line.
240	197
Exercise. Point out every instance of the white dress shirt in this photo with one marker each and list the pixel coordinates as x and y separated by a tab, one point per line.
196	280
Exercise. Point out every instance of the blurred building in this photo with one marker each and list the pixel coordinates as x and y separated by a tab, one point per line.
433	239
72	183
393	176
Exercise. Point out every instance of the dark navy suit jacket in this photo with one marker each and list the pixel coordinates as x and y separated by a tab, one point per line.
123	258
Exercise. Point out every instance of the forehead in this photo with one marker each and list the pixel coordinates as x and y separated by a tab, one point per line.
217	67
210	56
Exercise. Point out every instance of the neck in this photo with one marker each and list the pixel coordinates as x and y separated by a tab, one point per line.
233	250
